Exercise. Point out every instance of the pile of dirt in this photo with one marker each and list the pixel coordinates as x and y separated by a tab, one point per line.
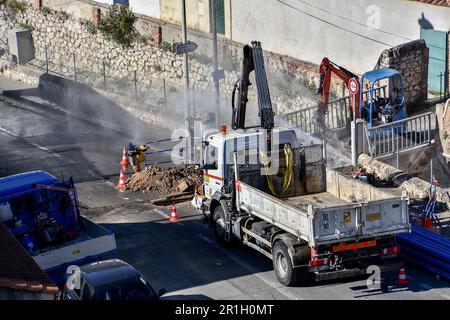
171	179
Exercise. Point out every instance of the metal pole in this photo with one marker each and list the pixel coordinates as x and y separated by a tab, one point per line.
353	133
397	153
431	170
165	93
46	60
104	73
188	122
135	84
74	67
213	8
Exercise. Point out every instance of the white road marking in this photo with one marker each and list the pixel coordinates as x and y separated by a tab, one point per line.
162	213
44	149
251	269
97	176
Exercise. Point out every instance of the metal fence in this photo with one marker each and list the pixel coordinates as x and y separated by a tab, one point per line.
136	82
337	115
399	136
444	90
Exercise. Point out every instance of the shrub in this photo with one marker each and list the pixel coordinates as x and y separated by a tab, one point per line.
26	26
17	6
118	25
166	46
62	15
157	67
46	10
91	28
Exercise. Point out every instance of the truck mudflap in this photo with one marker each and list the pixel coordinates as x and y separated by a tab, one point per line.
355	272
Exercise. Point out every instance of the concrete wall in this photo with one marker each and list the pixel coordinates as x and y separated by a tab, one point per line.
149	8
351	33
197	13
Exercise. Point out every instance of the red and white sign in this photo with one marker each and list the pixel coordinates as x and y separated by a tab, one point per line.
353	86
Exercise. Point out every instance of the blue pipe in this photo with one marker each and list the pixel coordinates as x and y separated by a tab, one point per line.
426	259
426	246
425	266
429	234
423	242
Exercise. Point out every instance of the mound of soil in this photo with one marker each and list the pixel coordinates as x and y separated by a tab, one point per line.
171	179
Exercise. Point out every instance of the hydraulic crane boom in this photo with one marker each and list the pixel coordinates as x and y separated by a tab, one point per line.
253	61
326	69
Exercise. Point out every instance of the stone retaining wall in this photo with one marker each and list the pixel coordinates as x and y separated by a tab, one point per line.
411	60
65	37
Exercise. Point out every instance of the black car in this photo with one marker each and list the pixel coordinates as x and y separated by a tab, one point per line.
111	280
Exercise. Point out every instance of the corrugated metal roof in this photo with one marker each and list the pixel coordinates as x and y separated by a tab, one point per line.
18	270
443	3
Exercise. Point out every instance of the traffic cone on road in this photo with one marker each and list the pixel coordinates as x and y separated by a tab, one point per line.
121	184
125	162
173	213
402	277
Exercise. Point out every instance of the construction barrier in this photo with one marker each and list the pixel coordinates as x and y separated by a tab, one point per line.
166	149
426	249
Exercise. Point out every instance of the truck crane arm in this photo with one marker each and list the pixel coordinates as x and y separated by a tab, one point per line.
253	61
327	67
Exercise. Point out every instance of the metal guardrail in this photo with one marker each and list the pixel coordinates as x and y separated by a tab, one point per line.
161	146
338	114
399	136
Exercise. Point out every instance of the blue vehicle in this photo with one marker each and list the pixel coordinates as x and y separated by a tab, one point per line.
42	212
377	107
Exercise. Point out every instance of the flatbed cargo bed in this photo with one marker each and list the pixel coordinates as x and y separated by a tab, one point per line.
317	200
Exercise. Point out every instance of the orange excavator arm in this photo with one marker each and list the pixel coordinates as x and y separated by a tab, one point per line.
326	69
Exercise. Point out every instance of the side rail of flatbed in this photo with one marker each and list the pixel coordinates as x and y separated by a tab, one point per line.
378	215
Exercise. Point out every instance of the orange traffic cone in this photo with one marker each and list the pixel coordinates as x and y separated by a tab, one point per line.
121	184
173	213
402	277
125	162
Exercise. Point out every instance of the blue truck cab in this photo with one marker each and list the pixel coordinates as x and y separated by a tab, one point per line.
42	212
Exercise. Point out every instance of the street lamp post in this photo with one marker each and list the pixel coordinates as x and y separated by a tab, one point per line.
212	4
188	116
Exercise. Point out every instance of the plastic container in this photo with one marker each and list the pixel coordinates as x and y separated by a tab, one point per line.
5	212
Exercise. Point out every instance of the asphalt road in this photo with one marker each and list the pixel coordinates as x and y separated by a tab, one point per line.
181	257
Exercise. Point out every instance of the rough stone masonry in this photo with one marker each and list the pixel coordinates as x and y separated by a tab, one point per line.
65	38
411	60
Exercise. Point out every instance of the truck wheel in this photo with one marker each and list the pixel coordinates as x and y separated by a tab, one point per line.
219	225
282	265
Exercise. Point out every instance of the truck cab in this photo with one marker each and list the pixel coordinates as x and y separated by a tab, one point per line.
219	156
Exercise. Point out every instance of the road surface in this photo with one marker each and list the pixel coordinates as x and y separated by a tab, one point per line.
181	257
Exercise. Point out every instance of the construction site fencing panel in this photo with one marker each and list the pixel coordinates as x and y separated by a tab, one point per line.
337	115
400	136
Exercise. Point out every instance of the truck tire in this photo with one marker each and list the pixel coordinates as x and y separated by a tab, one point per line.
282	264
219	224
